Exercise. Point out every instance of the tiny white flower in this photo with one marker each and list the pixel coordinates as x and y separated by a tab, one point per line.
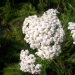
73	36
73	42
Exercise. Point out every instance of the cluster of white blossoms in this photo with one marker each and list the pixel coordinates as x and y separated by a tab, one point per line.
72	28
27	63
44	33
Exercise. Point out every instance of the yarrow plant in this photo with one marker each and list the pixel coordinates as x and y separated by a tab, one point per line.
72	28
44	33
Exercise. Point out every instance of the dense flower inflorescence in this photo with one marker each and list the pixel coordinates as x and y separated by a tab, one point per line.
72	28
44	33
27	63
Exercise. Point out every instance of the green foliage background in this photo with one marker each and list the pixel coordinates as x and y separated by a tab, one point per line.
12	15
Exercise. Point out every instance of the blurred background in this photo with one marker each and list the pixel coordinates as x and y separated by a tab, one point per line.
12	15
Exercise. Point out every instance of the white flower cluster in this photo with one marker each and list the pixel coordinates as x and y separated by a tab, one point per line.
44	33
27	63
72	28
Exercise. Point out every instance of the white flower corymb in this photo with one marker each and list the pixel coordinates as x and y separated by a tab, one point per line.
72	29
28	63
42	32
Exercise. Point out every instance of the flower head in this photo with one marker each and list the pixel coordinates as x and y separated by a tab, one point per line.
28	63
71	27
